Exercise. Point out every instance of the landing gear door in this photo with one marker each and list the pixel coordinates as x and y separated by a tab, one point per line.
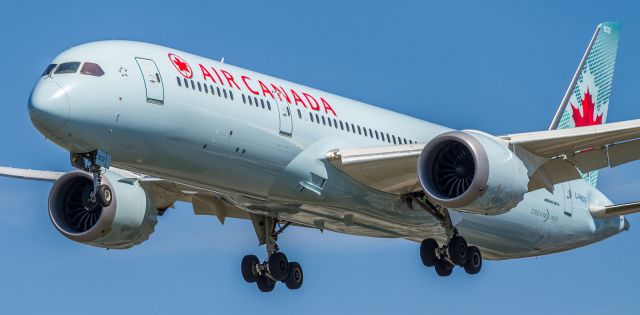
152	80
286	123
568	199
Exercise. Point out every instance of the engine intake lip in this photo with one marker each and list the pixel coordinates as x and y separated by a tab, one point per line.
57	199
426	169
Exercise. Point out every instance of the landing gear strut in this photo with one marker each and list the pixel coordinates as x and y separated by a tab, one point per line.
94	162
455	252
276	267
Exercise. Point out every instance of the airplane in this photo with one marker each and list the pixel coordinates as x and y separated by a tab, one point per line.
147	126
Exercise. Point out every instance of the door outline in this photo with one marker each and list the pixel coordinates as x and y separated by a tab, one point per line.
568	199
284	115
154	87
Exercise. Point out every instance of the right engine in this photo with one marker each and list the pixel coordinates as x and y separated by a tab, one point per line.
127	221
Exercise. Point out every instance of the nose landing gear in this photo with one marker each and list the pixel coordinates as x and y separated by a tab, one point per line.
276	267
94	162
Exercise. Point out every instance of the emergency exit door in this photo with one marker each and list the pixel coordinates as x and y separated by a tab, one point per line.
152	80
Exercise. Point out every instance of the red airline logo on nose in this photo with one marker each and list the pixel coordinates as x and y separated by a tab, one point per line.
181	65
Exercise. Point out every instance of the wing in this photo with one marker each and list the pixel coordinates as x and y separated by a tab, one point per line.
390	169
163	192
560	154
552	156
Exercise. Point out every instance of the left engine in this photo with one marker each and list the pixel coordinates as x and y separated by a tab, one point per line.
472	172
128	220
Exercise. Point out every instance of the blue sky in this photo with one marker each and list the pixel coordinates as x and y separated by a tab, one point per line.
500	67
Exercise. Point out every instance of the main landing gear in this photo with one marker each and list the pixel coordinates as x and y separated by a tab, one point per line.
276	267
94	162
455	252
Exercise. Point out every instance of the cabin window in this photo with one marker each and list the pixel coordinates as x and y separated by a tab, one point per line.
218	89
193	85
370	133
329	120
224	91
48	69
388	138
335	123
347	124
211	87
90	68
199	87
359	131
255	100
364	131
244	100
341	125
186	83
249	97
353	128
206	88
311	117
262	103
317	119
299	114
323	121
394	139
268	105
67	67
179	81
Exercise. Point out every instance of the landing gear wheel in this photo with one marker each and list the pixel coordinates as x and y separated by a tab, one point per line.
458	250
248	268
428	249
104	195
88	202
278	266
443	268
474	263
266	284
294	277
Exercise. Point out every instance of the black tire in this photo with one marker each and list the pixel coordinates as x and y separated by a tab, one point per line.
458	250
428	249
295	277
248	268
278	266
105	196
474	263
266	284
443	268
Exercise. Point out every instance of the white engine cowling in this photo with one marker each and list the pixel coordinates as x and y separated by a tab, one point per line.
127	221
473	172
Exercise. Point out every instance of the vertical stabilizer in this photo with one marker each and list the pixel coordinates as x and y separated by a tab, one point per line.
587	99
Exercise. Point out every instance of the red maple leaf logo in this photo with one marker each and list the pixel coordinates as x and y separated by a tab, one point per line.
588	109
181	65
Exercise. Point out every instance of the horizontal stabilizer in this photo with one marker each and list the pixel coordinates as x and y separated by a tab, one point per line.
614	210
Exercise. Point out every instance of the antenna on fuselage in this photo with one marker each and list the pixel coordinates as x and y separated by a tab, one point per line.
222	60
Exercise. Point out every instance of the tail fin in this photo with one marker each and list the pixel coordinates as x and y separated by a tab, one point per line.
590	89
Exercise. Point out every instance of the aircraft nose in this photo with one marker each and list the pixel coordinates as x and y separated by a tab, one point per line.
48	106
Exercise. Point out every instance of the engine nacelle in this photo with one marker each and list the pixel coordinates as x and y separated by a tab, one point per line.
127	221
472	172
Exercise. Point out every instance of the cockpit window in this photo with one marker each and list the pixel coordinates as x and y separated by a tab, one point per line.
92	69
48	70
67	67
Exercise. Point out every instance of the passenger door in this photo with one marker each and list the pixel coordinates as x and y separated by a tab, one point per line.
152	80
568	199
286	123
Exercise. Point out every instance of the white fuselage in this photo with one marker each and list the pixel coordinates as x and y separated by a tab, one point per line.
267	156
